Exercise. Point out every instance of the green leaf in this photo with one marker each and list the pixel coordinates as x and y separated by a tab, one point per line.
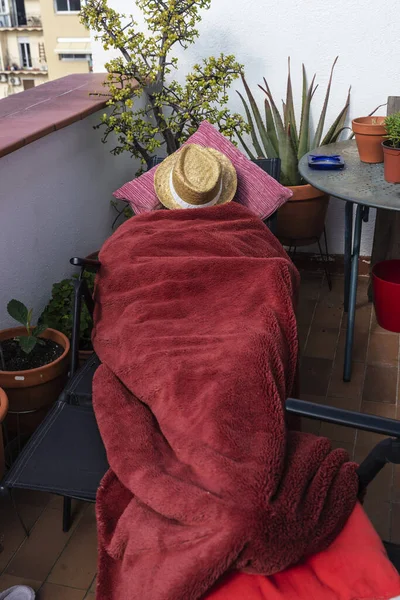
266	142
27	343
269	119
18	311
289	163
338	125
304	136
246	148
253	134
290	123
320	127
39	329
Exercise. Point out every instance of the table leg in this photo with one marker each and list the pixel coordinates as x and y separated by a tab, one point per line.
353	292
348	237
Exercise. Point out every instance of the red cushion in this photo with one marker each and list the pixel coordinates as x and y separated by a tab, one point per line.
257	190
355	567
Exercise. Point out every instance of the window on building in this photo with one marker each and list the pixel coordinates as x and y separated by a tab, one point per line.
68	5
28	83
87	57
25	52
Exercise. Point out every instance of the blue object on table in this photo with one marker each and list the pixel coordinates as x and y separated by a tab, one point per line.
325	161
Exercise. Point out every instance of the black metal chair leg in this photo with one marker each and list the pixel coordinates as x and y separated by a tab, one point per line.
325	259
67	514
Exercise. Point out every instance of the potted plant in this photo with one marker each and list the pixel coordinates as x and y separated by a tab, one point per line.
58	313
391	148
33	366
302	218
3	414
369	133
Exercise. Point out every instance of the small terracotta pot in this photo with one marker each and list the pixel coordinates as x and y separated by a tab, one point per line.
34	389
392	163
83	356
3	413
302	219
370	132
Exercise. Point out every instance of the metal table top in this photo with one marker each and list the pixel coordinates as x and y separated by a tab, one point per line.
357	182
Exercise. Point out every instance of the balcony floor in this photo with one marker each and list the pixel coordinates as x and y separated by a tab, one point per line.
63	565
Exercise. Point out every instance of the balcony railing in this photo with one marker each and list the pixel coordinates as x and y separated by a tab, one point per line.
15	66
29	21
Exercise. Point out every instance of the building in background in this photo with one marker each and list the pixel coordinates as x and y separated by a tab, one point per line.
40	40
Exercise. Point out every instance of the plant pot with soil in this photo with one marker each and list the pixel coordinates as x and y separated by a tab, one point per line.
302	219
34	365
391	148
370	133
3	414
58	313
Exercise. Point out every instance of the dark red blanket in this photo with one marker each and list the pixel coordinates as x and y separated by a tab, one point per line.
196	331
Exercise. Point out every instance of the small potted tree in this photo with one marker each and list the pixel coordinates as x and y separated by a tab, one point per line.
33	367
391	148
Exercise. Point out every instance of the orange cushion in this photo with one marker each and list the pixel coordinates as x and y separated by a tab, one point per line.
355	567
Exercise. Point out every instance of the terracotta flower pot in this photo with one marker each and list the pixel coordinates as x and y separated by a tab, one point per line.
369	132
34	389
3	413
302	219
392	163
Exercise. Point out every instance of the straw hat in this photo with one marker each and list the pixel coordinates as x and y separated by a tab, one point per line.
195	177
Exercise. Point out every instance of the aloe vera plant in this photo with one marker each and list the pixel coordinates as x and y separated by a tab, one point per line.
276	134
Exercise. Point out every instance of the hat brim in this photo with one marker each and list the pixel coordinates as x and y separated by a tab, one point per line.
163	172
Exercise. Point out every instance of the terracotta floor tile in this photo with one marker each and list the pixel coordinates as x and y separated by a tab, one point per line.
360	346
310	426
305	311
310	286
314	375
77	564
396	484
383	349
7	581
337	432
347	389
395	528
380	489
380	384
382	409
11	531
90	595
326	315
50	591
40	551
379	514
311	398
93	586
362	318
321	343
375	328
302	332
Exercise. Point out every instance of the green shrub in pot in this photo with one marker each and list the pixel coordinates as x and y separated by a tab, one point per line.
58	312
391	148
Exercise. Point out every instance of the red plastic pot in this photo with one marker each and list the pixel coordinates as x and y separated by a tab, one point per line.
386	287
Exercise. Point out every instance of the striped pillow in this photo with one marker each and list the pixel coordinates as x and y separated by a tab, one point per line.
256	190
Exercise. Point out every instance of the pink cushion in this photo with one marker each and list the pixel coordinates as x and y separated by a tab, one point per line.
256	190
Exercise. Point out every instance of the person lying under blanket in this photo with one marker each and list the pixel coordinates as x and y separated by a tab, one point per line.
210	495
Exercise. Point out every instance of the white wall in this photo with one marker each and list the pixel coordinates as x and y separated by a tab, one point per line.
54	204
263	33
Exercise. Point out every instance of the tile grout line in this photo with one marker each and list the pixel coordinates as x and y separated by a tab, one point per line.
4	571
74	526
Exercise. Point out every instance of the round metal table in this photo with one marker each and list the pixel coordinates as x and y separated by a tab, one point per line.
359	184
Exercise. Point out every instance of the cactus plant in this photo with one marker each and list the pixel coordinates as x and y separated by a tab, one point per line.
277	135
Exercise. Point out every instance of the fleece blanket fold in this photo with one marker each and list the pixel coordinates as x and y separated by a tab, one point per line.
196	332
